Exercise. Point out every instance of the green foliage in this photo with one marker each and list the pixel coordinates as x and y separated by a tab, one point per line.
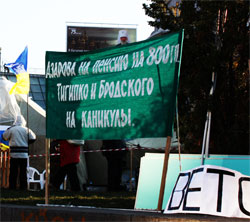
216	40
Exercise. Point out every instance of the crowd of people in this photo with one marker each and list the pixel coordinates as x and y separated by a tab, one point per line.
19	137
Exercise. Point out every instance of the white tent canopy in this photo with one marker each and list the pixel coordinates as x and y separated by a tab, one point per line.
9	108
153	143
36	115
12	106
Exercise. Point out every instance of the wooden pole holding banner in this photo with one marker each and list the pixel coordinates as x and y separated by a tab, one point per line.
8	167
1	174
47	146
27	116
4	169
131	170
164	173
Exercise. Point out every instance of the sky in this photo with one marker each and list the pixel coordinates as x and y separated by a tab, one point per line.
41	24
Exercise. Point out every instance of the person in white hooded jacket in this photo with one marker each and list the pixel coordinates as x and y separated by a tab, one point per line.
123	37
19	138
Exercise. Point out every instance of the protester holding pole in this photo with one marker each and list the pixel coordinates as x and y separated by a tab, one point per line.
115	162
115	158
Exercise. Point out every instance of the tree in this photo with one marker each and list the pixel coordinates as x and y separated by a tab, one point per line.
216	40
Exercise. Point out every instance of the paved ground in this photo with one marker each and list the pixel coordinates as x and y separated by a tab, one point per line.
72	213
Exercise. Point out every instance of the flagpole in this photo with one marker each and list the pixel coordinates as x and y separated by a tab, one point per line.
167	149
164	173
28	116
47	167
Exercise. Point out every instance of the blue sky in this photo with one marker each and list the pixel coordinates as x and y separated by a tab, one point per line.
41	24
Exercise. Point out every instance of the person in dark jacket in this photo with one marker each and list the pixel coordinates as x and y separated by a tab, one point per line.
115	162
115	158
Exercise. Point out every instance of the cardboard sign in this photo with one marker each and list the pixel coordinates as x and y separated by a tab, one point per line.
211	190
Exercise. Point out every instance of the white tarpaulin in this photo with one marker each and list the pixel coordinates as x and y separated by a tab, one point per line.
9	108
211	190
13	105
37	116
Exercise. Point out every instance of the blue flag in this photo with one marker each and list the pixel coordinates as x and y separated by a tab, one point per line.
19	67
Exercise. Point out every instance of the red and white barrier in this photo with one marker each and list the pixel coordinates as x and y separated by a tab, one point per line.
107	150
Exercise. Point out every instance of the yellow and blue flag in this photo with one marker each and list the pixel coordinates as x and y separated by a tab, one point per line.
19	67
4	145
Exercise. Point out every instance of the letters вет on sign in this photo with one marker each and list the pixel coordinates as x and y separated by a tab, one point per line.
211	190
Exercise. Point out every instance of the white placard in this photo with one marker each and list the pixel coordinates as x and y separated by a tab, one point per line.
212	190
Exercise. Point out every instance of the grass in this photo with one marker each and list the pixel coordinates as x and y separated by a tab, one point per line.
125	200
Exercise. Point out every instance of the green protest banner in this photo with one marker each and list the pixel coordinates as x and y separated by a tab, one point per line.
120	92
